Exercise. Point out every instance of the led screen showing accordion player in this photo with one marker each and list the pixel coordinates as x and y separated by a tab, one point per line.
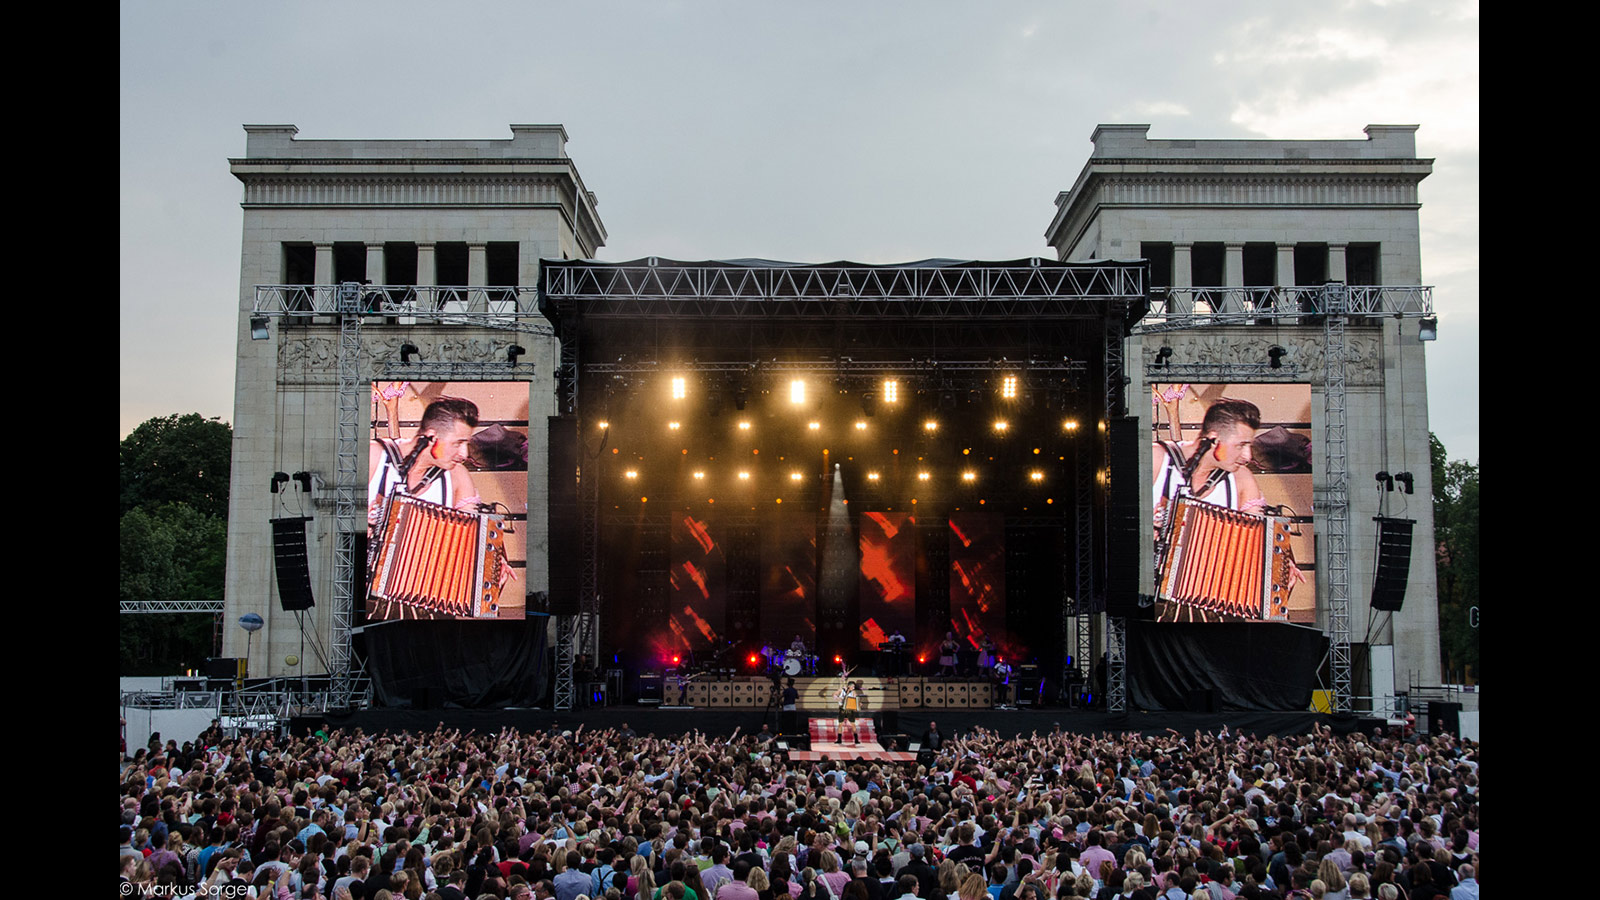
447	500
1231	490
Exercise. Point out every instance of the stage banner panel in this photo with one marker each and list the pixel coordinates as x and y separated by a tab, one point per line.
1250	665
1235	540
977	578
697	585
888	577
447	500
789	576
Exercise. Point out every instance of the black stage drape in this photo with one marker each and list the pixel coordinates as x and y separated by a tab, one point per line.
1250	665
475	665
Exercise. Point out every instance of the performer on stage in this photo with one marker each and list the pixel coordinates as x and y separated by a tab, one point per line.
1002	683
849	698
947	655
791	697
897	653
430	464
986	648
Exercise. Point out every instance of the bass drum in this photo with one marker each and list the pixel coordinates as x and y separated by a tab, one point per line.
791	666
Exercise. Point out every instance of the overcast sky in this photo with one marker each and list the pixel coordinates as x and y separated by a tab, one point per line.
816	131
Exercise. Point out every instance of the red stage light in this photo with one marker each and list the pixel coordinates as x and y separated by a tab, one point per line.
922	659
753	659
838	659
674	660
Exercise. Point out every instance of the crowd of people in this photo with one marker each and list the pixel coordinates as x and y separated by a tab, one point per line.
613	815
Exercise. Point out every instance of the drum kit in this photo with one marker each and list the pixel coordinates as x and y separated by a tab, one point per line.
791	662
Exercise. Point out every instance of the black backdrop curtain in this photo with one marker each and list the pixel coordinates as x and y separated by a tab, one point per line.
477	665
1250	665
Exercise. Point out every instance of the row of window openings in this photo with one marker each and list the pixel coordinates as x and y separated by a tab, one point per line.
1207	261
450	263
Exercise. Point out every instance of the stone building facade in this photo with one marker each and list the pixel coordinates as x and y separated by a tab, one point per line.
1259	214
397	212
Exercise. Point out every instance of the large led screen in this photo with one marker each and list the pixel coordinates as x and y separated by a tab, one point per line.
447	500
977	579
888	577
697	597
1231	496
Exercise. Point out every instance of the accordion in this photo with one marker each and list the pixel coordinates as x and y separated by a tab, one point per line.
1220	560
435	558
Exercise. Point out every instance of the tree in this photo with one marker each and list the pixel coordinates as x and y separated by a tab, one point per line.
1455	531
178	459
173	537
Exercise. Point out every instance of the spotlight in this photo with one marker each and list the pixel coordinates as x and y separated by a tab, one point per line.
304	480
891	391
1036	475
923	476
1008	387
631	474
930	425
514	351
1001	425
699	476
1164	356
1275	355
258	328
679	388
674	426
744	476
279	479
861	425
797	392
795	476
969	476
1070	425
408	350
1406	479
872	476
1428	328
744	426
1385	479
604	424
814	426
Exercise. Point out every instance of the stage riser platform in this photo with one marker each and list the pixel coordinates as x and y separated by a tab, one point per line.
816	694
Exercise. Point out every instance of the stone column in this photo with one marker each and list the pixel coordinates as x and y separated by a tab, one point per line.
1233	276
477	274
427	277
324	272
1182	279
375	273
1336	264
1284	275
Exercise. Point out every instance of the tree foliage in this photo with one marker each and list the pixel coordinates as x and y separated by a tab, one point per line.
178	459
1455	531
173	538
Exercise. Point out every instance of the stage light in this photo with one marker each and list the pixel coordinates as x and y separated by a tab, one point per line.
1406	479
969	476
861	425
278	480
1070	425
675	660
1428	328
1036	475
680	388
744	476
753	658
930	425
797	392
1275	356
744	426
512	352
838	659
795	476
408	350
923	476
1164	356
891	391
258	328
814	426
921	659
1001	425
604	425
1008	387
699	476
872	476
630	474
674	425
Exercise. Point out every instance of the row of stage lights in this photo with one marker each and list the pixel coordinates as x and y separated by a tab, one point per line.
1000	426
889	390
968	476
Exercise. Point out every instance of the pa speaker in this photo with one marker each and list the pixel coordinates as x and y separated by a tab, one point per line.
289	554
1122	558
1394	563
